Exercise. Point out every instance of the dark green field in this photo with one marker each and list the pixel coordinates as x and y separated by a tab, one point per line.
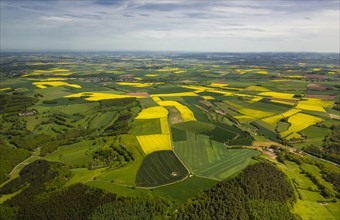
159	168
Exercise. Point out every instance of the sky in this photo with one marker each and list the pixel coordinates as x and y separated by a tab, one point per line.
170	25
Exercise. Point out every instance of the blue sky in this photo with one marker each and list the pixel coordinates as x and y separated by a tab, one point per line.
169	25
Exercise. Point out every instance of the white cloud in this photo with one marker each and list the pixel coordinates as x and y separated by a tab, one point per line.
171	25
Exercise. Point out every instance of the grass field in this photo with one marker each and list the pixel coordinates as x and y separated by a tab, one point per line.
160	168
225	133
178	134
195	126
309	207
182	191
78	154
120	190
211	159
315	136
147	126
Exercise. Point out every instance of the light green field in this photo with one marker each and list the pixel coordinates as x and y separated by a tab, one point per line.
315	171
146	126
77	108
282	126
315	136
310	208
83	175
78	154
102	120
210	158
293	171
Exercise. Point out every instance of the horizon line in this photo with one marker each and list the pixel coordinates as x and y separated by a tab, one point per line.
149	51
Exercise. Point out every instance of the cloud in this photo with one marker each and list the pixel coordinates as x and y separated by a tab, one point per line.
170	25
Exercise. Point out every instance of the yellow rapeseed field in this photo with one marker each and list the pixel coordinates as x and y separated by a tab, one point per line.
290	112
244	118
186	113
310	107
153	112
207	97
43	85
196	88
256	99
174	94
254	112
164	125
96	96
293	135
257	88
258	71
314	104
136	84
280	80
220	92
154	142
156	99
316	101
282	102
278	95
54	71
273	120
218	84
56	79
169	70
180	71
299	122
151	75
4	89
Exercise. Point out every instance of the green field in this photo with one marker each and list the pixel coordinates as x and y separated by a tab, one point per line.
160	168
195	126
147	126
178	134
310	205
314	135
210	158
184	190
78	154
